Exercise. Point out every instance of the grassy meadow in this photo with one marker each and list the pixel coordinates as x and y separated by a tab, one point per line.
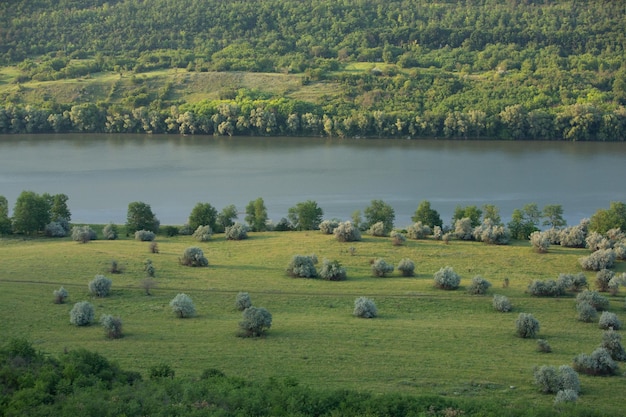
425	340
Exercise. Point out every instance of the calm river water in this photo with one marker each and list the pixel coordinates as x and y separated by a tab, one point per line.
101	174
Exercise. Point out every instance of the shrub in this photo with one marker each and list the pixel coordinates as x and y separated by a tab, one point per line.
527	326
554	235
83	234
609	320
547	378
501	303
547	288
55	229
112	326
612	342
332	271
447	279
586	312
82	314
620	250
283	225
242	301
100	286
594	299
302	266
171	231
397	238
540	241
144	235
148	283
437	233
543	346
573	237
479	286
574	282
194	256
615	282
597	364
185	230
110	232
600	259
182	306
347	232
154	247
377	229
160	371
365	308
202	233
418	231
115	268
255	321
595	241
237	231
380	268
603	277
327	227
491	233
565	396
148	268
60	295
568	379
406	267
463	228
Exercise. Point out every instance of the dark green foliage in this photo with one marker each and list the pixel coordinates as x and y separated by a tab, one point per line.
31	213
283	225
379	211
170	231
160	371
5	221
203	214
141	217
256	215
524	221
428	216
612	218
471	212
306	215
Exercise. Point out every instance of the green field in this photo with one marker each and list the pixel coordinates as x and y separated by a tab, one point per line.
425	340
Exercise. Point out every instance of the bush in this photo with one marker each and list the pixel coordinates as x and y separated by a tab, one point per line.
527	326
148	268
283	225
144	235
603	277
573	237
547	378
406	267
327	227
194	256
112	326
332	271
115	268
397	238
543	346
161	371
148	283
55	229
565	396
347	232
255	321
202	233
100	286
171	231
154	247
377	229
574	282
242	301
586	312
437	233
380	268
182	306
185	230
110	232
612	342
491	233
418	231
82	314
447	279
600	259
302	266
463	229
609	320
547	288
595	241
501	303
479	286
237	231
83	234
365	308
594	299
60	295
597	364
568	379
540	241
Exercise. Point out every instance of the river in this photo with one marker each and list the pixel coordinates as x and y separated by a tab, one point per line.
101	174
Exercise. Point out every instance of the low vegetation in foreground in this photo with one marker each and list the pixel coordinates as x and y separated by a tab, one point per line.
424	351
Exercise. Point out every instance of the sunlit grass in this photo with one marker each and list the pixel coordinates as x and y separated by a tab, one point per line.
425	340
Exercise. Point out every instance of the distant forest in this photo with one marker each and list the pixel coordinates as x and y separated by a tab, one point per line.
516	69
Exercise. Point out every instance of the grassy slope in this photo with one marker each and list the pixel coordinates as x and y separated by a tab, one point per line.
425	341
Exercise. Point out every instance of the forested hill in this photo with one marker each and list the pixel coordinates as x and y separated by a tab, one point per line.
541	69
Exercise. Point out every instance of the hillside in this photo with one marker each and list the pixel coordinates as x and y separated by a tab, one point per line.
459	69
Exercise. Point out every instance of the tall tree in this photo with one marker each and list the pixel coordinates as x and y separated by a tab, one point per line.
31	213
471	212
226	218
379	211
203	214
553	215
256	215
305	215
140	217
5	221
427	215
611	218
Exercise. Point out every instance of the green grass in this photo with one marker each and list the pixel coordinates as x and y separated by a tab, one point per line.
425	341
